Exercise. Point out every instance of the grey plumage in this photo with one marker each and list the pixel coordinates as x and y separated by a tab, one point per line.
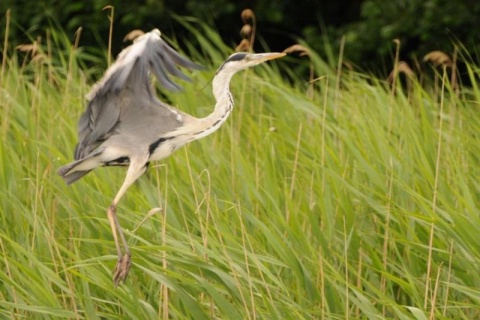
123	102
126	125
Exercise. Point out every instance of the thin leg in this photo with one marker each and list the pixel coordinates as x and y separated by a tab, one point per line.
112	217
123	264
122	237
122	268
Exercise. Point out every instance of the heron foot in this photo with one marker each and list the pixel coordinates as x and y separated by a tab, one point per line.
121	269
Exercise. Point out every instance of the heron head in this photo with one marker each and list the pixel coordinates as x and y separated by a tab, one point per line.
242	60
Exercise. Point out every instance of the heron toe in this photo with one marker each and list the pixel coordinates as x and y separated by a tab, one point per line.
121	270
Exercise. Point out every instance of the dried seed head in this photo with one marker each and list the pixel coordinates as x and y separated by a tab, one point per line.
39	58
298	48
244	45
246	31
438	58
404	68
247	15
32	48
132	35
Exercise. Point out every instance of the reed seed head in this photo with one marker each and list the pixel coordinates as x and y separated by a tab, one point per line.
302	51
132	35
246	31
438	58
244	45
247	15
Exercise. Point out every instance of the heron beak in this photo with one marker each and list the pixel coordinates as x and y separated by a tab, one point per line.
268	56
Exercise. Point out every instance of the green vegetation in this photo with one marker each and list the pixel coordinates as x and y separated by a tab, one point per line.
369	26
351	202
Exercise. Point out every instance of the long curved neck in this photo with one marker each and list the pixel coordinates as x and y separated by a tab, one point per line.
223	105
197	128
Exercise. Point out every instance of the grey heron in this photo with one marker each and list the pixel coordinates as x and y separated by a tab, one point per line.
125	124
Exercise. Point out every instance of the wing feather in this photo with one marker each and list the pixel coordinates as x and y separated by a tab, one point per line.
126	79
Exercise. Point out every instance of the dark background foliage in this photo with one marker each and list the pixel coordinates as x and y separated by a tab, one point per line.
369	26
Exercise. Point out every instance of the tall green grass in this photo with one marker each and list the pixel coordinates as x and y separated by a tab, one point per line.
353	204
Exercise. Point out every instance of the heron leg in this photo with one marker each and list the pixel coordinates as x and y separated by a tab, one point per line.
123	264
122	268
112	217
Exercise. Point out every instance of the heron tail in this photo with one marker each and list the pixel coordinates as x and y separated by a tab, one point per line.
70	175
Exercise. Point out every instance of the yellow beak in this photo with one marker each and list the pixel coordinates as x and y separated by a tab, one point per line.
268	56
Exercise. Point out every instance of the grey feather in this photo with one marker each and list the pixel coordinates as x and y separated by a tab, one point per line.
74	176
131	73
148	53
123	103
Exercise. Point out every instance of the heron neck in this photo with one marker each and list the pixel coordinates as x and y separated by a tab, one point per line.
223	105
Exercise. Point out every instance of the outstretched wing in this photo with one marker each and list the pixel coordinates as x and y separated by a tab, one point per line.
126	79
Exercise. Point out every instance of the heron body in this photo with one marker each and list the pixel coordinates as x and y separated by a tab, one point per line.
125	124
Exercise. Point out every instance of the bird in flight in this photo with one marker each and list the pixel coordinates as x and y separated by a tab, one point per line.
125	124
